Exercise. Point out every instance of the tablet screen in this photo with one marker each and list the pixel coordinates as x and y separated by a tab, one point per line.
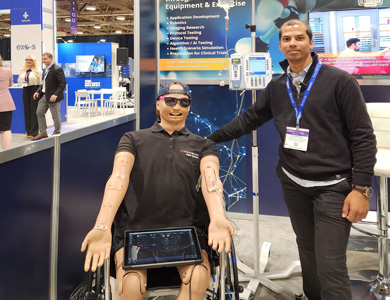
158	248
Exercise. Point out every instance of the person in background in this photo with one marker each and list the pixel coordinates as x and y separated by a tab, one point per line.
7	105
326	156
30	79
94	64
353	45
100	66
50	92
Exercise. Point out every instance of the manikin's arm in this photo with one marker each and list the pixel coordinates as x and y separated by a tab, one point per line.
220	229
99	238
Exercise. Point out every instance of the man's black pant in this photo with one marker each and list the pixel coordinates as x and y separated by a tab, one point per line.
322	237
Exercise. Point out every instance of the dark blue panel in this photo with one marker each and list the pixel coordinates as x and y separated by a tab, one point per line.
271	196
377	93
26	191
37	4
148	46
17	125
212	107
86	163
26	16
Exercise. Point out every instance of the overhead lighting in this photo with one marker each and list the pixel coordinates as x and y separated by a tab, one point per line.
90	7
102	41
118	31
79	32
120	18
70	41
60	38
7	35
67	20
97	27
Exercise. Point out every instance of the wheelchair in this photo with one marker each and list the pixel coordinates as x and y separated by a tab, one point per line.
223	285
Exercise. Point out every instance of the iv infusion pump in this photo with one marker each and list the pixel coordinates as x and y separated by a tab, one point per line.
253	71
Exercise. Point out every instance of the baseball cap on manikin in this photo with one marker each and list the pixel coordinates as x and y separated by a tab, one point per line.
165	89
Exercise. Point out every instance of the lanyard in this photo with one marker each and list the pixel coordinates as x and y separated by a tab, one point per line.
298	112
27	74
46	71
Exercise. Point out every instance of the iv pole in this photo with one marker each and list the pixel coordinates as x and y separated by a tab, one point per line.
257	275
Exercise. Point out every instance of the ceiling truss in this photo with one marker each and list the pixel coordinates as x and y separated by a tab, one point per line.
88	21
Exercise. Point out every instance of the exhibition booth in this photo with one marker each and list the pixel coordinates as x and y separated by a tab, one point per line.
197	44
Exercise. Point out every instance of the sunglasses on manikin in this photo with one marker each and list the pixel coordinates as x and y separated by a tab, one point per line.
172	101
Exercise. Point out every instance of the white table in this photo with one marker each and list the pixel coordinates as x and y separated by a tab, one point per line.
100	92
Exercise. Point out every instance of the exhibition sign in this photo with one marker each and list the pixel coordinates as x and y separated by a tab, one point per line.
26	40
194	42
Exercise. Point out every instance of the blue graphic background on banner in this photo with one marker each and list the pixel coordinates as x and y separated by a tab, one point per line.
25	16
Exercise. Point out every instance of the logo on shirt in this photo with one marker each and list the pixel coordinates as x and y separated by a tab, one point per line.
190	154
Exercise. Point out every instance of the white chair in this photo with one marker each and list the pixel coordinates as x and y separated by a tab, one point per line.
102	99
83	100
380	117
117	101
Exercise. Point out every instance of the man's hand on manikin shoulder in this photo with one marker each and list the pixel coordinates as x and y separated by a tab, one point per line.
356	206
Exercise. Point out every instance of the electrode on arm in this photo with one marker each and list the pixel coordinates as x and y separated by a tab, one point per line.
98	240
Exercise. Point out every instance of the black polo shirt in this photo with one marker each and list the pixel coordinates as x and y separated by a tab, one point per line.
163	189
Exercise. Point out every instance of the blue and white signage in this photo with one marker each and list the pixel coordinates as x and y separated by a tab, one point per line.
73	16
25	16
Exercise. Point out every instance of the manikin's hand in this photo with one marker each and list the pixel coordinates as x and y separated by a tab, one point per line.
356	206
99	247
220	232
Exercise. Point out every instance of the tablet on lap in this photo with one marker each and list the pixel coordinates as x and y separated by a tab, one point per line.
145	249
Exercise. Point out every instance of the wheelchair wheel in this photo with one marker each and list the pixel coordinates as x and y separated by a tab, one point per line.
232	287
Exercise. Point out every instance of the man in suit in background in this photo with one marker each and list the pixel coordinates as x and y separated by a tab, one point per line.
50	93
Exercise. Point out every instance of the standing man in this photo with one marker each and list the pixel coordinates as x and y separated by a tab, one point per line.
50	93
327	156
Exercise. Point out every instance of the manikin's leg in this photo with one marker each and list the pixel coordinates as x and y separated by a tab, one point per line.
195	279
6	138
131	284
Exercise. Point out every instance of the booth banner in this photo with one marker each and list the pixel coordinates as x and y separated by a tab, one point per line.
25	40
193	37
194	42
73	16
25	16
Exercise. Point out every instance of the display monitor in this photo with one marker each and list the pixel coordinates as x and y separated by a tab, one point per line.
161	248
257	66
90	63
371	26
